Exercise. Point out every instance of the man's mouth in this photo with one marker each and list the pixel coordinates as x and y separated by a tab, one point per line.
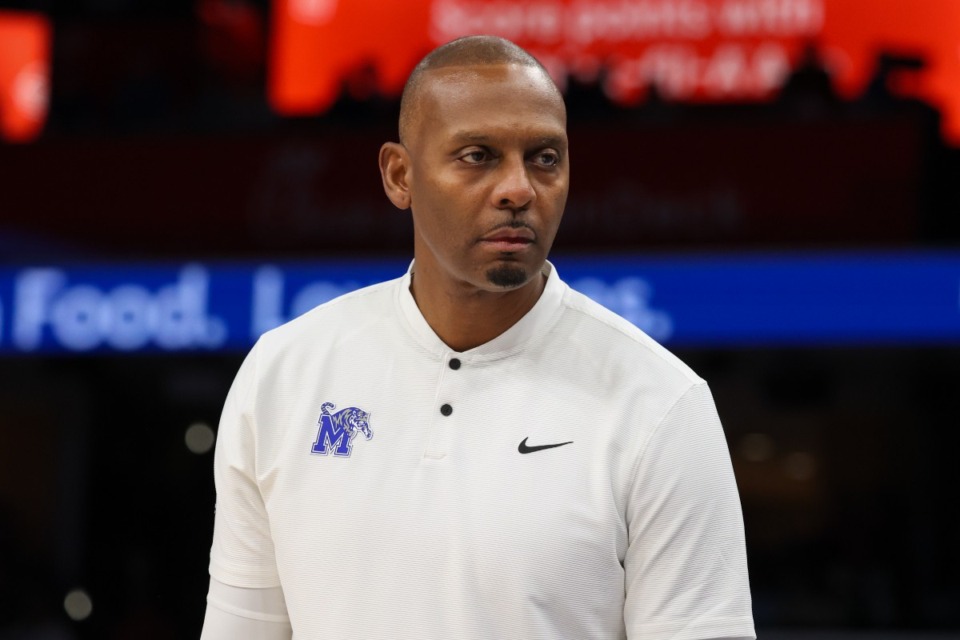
515	237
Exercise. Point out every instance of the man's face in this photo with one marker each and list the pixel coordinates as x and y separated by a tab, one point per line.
489	175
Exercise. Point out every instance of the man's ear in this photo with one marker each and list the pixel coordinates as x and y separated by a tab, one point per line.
395	170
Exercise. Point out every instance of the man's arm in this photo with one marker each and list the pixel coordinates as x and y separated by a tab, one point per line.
236	612
686	565
245	599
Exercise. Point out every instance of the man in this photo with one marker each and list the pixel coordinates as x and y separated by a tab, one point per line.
473	450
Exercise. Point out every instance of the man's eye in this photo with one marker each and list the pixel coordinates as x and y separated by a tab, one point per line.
548	159
474	157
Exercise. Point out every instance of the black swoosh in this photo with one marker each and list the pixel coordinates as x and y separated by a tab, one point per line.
523	448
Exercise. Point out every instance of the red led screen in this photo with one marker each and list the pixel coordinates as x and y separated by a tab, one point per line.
24	74
691	50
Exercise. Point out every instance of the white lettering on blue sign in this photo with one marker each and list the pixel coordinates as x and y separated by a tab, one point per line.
81	317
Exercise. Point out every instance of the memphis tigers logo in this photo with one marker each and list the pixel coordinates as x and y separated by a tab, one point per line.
338	430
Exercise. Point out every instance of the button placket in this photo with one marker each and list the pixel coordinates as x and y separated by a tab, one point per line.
446	408
450	386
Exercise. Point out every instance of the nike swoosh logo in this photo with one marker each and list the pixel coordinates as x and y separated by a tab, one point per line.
524	448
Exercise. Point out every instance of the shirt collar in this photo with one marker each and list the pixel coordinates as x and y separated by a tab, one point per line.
537	322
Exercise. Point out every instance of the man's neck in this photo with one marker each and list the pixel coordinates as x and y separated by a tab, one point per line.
464	318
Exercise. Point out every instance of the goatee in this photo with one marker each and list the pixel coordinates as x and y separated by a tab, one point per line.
507	276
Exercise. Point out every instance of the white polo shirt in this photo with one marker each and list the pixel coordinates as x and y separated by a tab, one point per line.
568	479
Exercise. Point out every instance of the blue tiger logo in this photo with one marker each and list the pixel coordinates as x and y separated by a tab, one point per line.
338	430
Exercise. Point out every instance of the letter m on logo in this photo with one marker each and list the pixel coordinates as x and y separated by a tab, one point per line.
332	437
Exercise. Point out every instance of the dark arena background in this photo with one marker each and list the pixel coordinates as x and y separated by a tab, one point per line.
770	188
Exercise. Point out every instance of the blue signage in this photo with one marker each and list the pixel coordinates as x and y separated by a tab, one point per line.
705	301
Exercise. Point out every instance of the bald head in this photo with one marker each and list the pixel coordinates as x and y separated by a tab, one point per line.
463	52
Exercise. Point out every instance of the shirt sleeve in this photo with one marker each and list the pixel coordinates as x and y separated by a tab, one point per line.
236	612
242	553
685	565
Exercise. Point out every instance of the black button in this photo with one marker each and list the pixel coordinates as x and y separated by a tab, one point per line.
446	409
454	364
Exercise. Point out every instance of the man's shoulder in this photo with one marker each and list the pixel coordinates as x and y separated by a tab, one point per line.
619	340
346	313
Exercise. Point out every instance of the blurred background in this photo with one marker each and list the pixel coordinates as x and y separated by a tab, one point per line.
769	187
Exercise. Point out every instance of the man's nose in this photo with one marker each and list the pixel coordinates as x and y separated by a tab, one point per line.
513	189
